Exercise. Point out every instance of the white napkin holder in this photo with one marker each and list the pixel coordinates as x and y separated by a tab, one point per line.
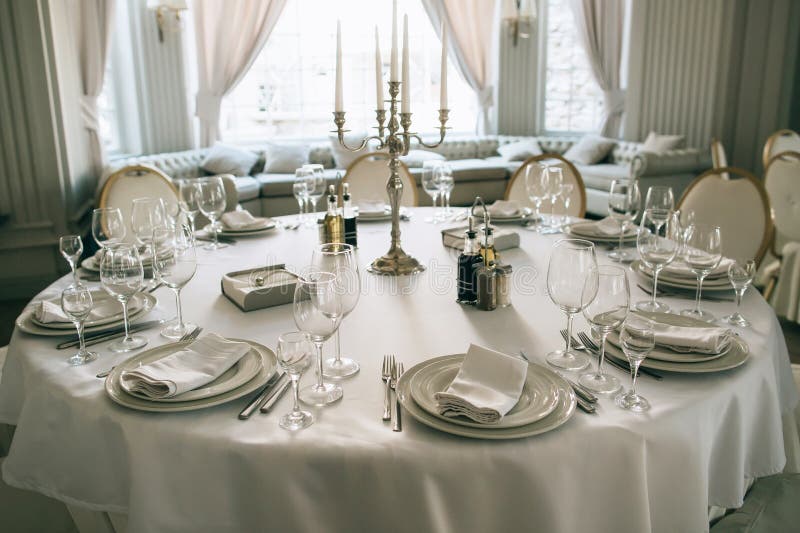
258	288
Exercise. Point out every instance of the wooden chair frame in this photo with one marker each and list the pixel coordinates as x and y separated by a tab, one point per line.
543	157
765	157
781	155
383	155
148	169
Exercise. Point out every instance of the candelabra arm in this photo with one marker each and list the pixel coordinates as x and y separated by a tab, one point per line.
443	116
338	119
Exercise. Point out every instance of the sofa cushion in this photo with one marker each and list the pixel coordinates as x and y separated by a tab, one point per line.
520	150
465	170
591	149
658	144
280	184
415	158
247	187
511	166
227	159
601	176
285	158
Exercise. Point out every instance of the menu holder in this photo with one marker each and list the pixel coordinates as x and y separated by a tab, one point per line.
504	239
261	287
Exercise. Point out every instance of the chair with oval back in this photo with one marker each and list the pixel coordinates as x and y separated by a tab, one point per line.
718	157
517	192
780	141
739	206
367	176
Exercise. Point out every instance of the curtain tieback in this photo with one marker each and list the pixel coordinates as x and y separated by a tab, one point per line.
208	107
89	113
614	101
486	97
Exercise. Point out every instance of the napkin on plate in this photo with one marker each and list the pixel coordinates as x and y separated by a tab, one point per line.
198	364
49	312
608	226
681	269
241	220
503	208
706	340
372	208
486	387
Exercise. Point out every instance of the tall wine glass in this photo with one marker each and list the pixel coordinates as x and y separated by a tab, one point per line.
108	226
605	312
122	276
295	351
187	194
76	301
318	311
740	274
564	200
702	252
657	252
572	266
341	260
446	186
660	201
174	264
147	214
638	340
71	247
300	189
316	184
537	187
430	184
624	201
211	200
555	178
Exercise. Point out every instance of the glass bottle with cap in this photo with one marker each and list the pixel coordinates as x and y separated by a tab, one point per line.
487	250
468	262
333	222
349	217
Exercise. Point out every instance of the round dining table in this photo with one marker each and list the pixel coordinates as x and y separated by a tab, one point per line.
705	437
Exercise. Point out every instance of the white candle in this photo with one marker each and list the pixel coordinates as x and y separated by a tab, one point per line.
405	102
378	71
394	74
339	102
443	75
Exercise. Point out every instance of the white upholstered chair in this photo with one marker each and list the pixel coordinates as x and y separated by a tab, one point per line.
367	176
739	206
780	141
517	192
718	157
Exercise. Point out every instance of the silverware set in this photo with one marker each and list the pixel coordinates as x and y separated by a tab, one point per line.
587	344
688	294
391	371
188	337
585	399
267	396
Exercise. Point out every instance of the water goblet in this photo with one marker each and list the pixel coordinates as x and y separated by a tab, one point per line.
605	312
71	247
122	276
430	184
740	274
146	214
187	194
76	301
108	226
660	201
702	252
657	252
572	266
295	351
537	187
555	178
446	185
301	192
564	201
638	340
211	200
316	184
624	200
174	264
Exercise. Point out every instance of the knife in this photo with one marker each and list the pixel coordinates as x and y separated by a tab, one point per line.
97	338
276	394
260	397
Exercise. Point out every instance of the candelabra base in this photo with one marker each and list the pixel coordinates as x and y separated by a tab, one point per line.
395	263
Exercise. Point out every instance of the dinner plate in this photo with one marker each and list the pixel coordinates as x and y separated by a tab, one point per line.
525	214
563	411
586	230
91	265
721	284
736	357
262	224
100	299
25	320
243	371
268	366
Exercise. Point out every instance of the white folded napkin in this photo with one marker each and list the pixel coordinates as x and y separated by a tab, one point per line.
608	226
198	364
487	386
503	208
239	220
146	256
49	312
706	340
372	208
680	269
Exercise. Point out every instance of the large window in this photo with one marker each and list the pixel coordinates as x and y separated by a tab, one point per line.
573	100
288	91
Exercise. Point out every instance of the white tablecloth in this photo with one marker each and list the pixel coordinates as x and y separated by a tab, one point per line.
208	471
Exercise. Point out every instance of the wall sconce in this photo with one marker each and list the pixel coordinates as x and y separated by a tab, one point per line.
168	15
521	19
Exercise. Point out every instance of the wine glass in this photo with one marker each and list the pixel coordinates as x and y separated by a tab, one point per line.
71	247
316	184
122	276
108	226
174	264
740	274
605	312
211	200
638	340
555	178
624	200
146	214
300	190
341	260
702	252
295	351
537	186
76	301
430	184
572	265
187	193
317	311
446	185
564	200
657	252
661	203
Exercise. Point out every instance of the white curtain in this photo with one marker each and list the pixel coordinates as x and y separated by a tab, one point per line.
96	18
229	36
470	25
600	26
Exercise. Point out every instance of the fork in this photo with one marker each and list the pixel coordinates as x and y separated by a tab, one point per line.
386	376
589	342
397	424
188	337
583	348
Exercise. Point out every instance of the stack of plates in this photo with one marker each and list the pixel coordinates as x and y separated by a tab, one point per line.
547	401
138	306
249	374
733	354
678	276
520	216
262	226
589	232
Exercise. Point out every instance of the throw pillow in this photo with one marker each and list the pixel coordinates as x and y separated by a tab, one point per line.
415	158
341	155
589	150
520	150
662	143
285	158
227	159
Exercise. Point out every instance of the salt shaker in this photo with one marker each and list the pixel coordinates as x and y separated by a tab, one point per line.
487	288
503	275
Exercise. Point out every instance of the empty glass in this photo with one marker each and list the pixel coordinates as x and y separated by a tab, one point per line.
76	301
211	200
317	311
174	264
71	247
341	260
537	187
605	312
563	203
295	351
316	184
572	266
661	203
146	215
657	252
300	190
108	226
446	185
555	178
740	274
702	252
430	184
624	200
638	340
122	276
187	193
